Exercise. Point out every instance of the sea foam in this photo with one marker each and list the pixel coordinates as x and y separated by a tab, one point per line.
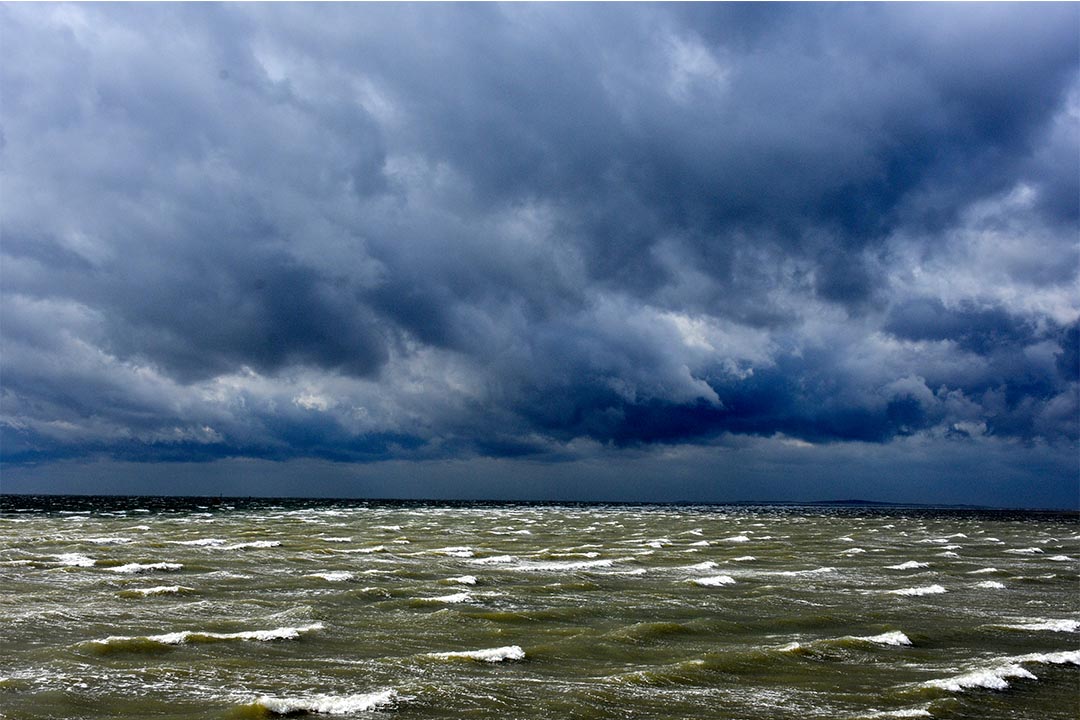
133	568
917	591
329	704
909	565
491	655
194	636
714	581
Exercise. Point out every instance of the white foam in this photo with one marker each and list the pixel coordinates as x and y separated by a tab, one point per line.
201	542
458	552
253	544
815	571
494	560
948	554
464	579
1052	625
714	581
735	539
916	591
983	571
1059	558
460	597
853	551
75	560
990	678
109	540
901	713
184	636
1065	657
338	539
132	568
160	590
700	543
791	647
333	575
991	585
707	565
564	565
1025	551
744	558
329	704
491	655
894	637
387	527
909	565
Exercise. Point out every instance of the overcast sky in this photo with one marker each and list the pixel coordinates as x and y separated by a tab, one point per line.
658	252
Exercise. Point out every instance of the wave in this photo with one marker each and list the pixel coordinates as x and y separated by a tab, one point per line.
984	571
736	539
328	704
744	558
997	675
918	591
186	637
707	565
894	637
494	560
460	597
463	579
491	655
714	581
157	590
815	571
1044	624
255	544
133	568
333	575
1060	558
909	565
201	542
1025	551
337	539
75	560
109	540
991	585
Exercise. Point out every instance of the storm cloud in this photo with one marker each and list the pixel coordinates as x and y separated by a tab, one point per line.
543	233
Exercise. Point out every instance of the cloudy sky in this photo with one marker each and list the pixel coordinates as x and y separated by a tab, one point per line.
703	252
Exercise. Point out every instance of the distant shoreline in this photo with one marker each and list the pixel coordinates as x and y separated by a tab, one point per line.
7	500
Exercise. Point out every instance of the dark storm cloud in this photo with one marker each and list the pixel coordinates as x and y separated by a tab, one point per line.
364	232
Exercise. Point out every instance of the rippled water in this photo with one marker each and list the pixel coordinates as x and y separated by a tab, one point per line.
182	608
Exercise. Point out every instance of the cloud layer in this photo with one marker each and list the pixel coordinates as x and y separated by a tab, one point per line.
430	232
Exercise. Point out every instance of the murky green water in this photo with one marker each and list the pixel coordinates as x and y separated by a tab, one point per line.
165	609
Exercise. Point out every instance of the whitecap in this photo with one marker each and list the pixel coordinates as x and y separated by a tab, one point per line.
132	568
329	704
75	560
991	584
983	571
337	539
109	540
253	544
744	558
736	539
159	590
185	636
909	565
917	591
1025	551
1053	625
460	597
464	579
700	543
494	560
853	551
707	565
201	542
990	678
333	575
815	571
894	637
1059	558
491	655
714	581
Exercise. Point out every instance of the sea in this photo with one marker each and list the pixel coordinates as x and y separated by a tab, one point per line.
136	607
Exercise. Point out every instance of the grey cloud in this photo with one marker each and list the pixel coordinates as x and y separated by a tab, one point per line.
372	232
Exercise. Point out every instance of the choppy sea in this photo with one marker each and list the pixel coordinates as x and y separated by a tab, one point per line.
209	608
